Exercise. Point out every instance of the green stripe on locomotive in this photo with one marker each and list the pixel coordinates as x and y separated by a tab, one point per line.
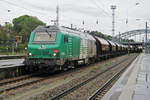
68	46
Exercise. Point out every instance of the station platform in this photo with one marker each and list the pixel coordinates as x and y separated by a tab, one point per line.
11	63
134	84
2	57
9	55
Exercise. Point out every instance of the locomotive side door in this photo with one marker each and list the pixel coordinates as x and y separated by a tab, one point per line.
70	46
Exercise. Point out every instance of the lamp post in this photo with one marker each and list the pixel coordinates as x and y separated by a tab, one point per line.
9	31
146	49
113	7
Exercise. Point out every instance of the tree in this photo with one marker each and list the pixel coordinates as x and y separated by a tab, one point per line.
108	37
99	34
24	25
3	35
8	26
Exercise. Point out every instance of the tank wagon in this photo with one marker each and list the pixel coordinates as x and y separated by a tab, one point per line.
54	48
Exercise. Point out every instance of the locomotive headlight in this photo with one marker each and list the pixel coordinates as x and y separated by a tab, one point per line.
55	51
54	54
30	54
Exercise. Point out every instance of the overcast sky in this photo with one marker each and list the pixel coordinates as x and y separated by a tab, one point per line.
75	11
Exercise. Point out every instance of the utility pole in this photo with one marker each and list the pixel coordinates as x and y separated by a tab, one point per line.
119	38
57	12
146	37
113	7
71	26
56	21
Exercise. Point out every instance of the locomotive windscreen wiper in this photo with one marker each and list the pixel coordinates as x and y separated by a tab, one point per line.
48	33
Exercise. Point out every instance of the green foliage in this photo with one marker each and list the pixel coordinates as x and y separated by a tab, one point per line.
8	48
8	26
3	35
127	40
99	34
108	37
23	25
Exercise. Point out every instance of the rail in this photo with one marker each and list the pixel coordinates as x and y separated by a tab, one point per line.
98	91
84	82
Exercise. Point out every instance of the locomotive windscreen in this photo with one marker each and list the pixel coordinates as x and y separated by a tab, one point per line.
44	37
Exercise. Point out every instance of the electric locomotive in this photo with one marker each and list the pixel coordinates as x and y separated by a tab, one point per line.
59	48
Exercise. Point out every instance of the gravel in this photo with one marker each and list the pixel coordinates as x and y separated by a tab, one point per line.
61	82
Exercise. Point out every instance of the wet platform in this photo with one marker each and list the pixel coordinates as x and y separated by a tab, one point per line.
2	57
11	63
134	84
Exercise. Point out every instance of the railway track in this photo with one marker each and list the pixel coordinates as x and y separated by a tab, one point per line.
77	86
24	81
17	79
97	95
19	82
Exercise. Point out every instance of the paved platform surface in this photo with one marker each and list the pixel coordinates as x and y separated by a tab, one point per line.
134	84
6	55
11	63
9	55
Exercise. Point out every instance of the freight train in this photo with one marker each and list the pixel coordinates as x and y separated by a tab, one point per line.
54	48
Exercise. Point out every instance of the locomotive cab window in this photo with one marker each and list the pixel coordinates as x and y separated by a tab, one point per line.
65	39
44	37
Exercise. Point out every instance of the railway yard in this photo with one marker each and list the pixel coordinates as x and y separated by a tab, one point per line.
74	50
80	83
65	66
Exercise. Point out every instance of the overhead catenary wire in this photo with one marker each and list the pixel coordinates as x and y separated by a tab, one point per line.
44	12
30	10
103	5
22	7
102	10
